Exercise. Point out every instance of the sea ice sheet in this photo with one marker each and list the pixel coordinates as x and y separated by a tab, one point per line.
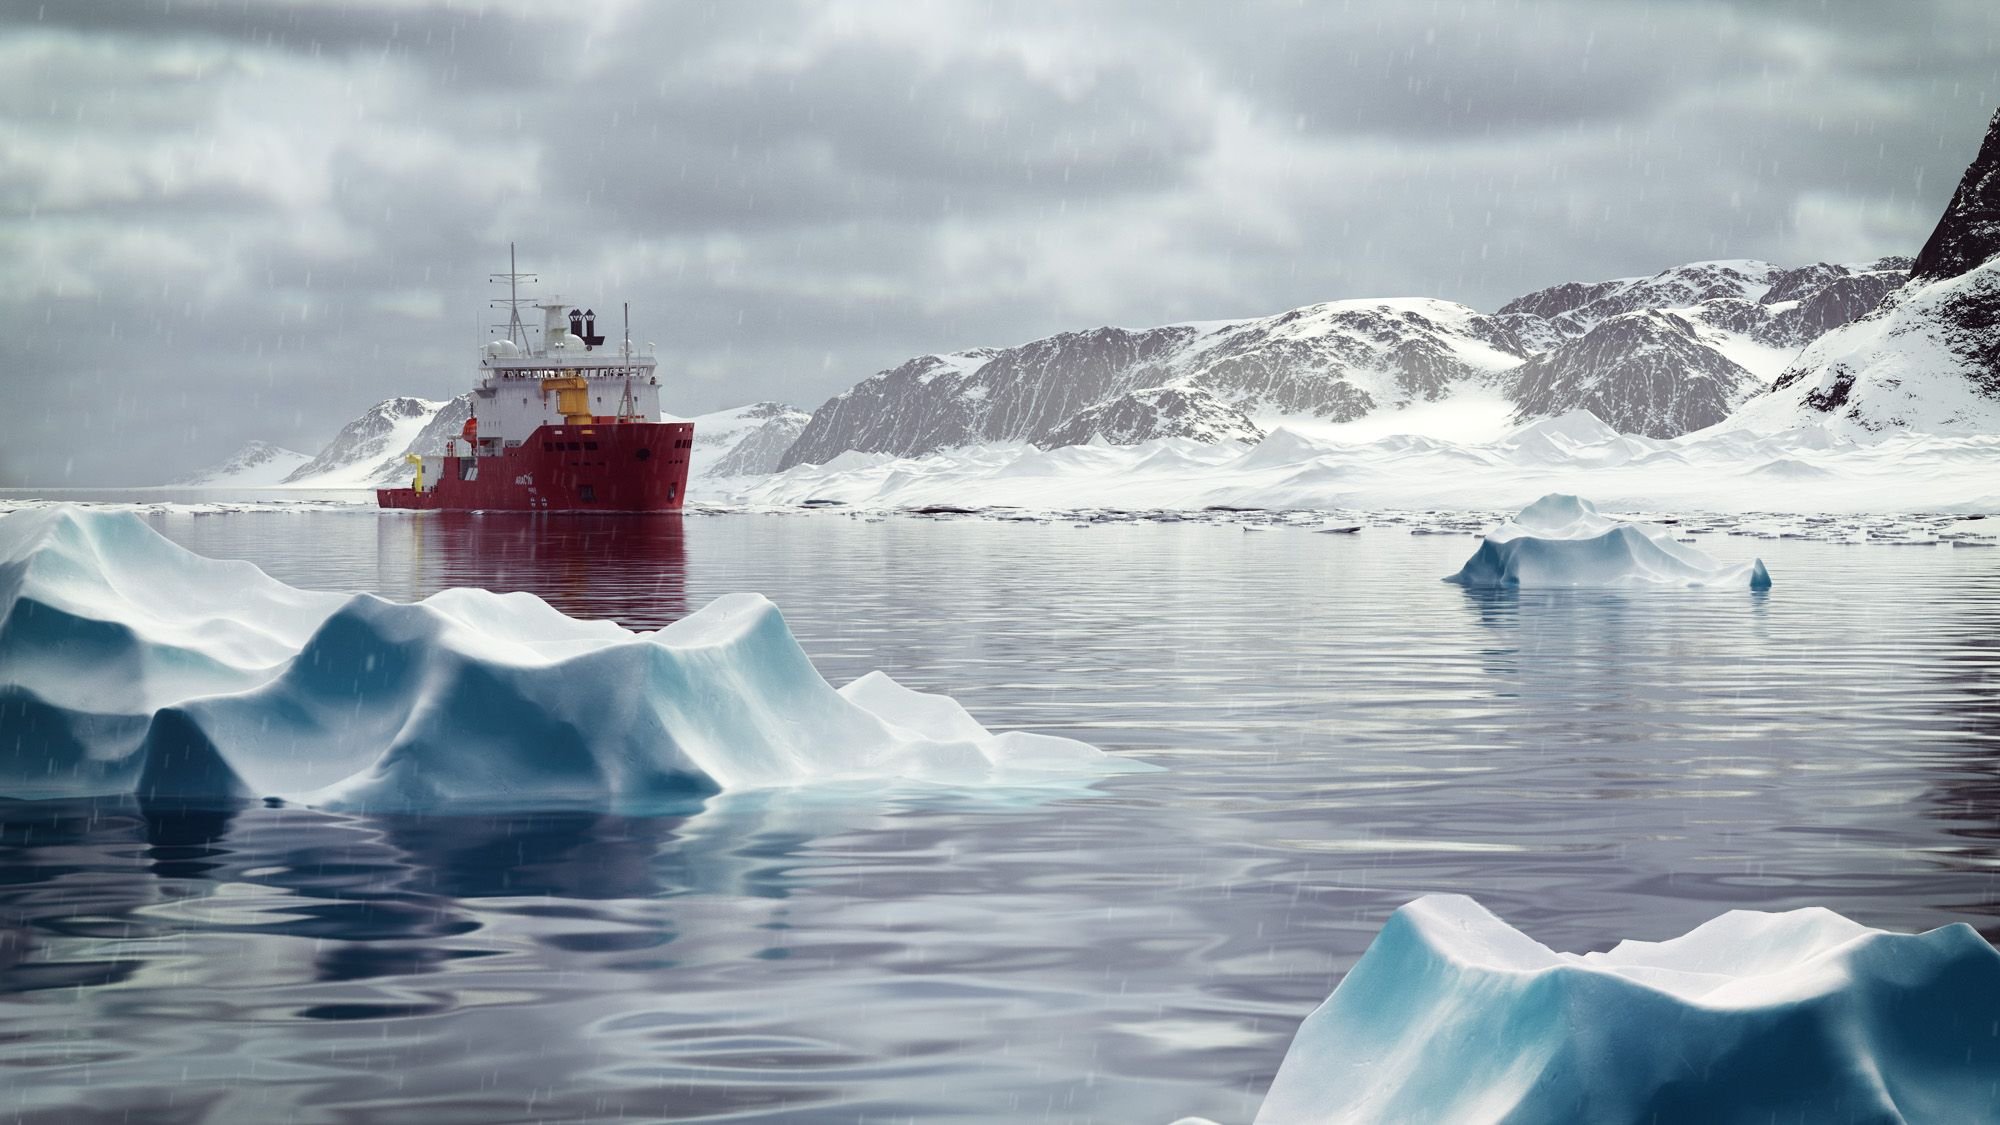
1564	541
129	665
1453	1015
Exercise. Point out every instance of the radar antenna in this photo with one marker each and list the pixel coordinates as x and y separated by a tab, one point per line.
516	331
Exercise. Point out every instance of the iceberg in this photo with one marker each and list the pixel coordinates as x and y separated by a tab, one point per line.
129	665
1453	1015
1562	540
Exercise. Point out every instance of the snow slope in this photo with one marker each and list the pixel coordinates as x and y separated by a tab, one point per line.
128	665
257	465
371	446
1805	470
1924	361
1928	357
1452	1015
1336	362
1563	541
744	440
1658	355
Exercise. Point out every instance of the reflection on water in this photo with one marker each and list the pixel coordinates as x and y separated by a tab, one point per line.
631	568
1342	733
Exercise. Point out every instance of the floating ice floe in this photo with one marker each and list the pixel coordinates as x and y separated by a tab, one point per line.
129	665
1562	541
1453	1015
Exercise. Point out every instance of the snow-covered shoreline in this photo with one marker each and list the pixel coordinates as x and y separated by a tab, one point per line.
1805	470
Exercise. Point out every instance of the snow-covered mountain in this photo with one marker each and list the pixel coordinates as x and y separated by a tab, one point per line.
1742	303
1335	362
366	445
258	464
1643	372
1928	357
1659	355
744	441
1186	412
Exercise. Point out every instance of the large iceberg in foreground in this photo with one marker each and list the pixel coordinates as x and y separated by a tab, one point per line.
1562	541
129	665
1453	1015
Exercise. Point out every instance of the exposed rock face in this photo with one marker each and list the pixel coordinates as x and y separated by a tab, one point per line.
1765	304
1677	288
1968	235
1730	326
1568	297
369	450
368	438
1645	372
1335	361
1803	304
989	394
1129	419
776	426
1928	356
447	423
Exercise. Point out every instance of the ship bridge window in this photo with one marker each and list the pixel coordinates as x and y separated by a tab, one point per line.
590	445
575	446
642	453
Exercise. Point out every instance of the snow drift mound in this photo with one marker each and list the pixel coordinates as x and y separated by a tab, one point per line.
1562	541
1452	1015
128	665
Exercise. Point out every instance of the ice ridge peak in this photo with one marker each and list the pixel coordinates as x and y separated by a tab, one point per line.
1564	541
129	665
1803	1015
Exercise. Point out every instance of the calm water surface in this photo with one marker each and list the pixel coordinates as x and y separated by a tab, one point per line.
1341	732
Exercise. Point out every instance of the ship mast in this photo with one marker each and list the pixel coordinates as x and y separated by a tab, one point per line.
516	331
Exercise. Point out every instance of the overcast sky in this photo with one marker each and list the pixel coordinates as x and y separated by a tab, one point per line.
233	219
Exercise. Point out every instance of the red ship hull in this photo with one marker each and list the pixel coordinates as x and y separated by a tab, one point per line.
604	467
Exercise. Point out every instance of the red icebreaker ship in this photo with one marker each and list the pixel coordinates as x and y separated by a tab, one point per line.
559	425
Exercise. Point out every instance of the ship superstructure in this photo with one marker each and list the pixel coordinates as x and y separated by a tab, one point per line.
559	423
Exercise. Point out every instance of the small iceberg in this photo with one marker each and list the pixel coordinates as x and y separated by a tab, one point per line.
129	665
1562	540
1453	1015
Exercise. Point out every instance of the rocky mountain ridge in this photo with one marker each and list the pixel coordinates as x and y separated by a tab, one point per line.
746	441
367	445
1659	355
1926	358
1336	361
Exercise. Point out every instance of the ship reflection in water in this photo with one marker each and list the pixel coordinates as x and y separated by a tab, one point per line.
628	568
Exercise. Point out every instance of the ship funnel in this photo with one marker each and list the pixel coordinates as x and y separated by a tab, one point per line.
555	328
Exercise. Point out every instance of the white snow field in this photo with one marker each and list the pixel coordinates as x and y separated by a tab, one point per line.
1807	469
1453	1015
1562	540
130	665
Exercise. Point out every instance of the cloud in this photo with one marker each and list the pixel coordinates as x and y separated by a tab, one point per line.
223	220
